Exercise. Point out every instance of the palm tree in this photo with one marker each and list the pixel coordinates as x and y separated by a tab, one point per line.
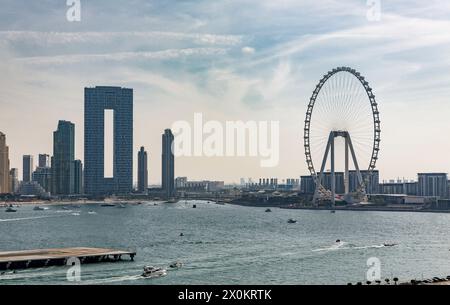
395	280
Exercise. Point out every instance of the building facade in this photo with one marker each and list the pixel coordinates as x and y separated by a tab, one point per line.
14	180
43	176
4	165
432	185
63	157
168	164
142	171
43	160
78	177
96	101
27	168
307	185
371	180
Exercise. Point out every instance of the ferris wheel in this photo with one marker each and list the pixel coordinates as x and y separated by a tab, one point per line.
342	121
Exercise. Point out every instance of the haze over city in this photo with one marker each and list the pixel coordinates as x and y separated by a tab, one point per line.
229	62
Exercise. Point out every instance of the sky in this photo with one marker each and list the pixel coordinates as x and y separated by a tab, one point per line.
229	60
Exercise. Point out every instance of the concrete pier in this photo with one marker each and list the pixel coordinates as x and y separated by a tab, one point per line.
58	257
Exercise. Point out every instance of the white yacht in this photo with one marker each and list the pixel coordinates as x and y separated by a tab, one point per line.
152	272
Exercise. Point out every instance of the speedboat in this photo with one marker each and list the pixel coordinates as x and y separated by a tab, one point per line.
268	210
389	245
152	272
38	208
108	205
10	210
176	265
290	220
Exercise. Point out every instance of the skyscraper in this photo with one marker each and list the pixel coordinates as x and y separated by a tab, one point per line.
78	177
142	171
4	165
168	164
63	157
96	101
27	168
44	160
14	180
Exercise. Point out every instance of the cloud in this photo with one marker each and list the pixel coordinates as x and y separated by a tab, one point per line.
248	50
122	56
45	38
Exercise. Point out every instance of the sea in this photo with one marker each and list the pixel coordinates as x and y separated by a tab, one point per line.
230	244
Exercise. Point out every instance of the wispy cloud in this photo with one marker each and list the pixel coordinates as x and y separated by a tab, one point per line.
121	56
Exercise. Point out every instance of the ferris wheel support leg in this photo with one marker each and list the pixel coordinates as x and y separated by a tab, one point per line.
355	162
319	179
346	178
333	180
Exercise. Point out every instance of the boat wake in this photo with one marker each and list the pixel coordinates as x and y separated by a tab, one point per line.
113	279
346	246
28	218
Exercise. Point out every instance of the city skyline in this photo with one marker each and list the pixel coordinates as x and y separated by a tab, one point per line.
265	70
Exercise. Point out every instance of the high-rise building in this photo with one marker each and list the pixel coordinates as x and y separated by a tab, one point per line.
96	101
142	171
307	185
14	180
43	160
432	185
63	157
168	164
4	165
27	168
43	176
78	177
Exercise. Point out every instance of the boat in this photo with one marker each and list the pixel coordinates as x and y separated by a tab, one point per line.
194	206
290	220
268	210
332	211
108	205
152	272
176	265
389	244
10	210
38	208
121	205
